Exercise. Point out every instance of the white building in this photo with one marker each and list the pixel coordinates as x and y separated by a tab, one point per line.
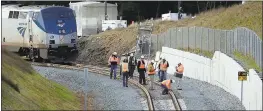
172	16
89	16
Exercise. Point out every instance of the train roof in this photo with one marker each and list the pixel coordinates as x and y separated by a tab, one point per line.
87	3
26	8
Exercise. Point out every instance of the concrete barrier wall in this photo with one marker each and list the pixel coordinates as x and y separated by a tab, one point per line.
221	71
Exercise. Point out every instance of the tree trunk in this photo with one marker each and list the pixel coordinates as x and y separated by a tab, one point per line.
198	7
157	12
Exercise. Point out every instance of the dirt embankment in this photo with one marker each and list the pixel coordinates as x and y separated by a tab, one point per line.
96	49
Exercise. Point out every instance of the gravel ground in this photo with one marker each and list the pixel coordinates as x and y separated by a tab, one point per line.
108	94
199	95
160	102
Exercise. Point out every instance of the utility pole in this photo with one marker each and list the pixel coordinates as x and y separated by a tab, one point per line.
179	10
106	16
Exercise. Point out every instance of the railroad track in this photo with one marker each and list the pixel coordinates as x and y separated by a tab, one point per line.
106	70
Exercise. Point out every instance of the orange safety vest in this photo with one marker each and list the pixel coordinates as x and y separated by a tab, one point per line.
180	69
142	66
167	83
163	66
125	67
113	59
151	70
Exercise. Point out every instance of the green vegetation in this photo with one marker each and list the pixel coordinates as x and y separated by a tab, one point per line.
248	61
208	54
24	89
248	15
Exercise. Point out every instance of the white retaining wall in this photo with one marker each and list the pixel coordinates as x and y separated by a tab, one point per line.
221	71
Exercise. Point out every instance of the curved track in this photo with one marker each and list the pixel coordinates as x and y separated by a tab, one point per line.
105	71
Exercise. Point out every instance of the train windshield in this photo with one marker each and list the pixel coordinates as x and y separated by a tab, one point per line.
64	14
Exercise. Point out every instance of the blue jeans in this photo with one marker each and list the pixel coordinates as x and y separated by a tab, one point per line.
159	75
125	76
113	69
163	75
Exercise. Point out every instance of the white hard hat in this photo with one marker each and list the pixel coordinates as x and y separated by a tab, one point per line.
152	61
173	81
131	54
114	53
142	57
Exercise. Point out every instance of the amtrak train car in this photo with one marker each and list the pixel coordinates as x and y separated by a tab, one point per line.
39	32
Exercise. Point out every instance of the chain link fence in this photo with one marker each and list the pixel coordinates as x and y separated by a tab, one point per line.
241	39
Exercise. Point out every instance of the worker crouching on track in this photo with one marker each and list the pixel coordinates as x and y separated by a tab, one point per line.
163	68
113	62
179	75
151	73
141	70
125	72
166	84
132	64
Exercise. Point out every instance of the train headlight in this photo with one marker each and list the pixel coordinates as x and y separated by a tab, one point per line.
51	37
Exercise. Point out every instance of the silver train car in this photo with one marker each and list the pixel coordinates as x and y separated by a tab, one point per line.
39	32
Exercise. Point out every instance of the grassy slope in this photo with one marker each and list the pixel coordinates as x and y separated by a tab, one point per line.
248	15
35	92
97	48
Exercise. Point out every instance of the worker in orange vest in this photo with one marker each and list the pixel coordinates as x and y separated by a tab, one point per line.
163	69
166	84
179	75
125	72
113	62
151	73
141	70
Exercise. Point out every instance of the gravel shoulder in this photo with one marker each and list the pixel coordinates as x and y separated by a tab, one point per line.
107	94
199	95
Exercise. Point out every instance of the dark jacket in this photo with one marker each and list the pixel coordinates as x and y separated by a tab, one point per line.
163	62
138	65
131	59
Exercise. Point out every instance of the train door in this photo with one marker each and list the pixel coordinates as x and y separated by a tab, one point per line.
30	37
30	32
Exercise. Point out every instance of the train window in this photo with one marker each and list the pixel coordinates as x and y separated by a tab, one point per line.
47	15
15	14
10	14
22	15
63	15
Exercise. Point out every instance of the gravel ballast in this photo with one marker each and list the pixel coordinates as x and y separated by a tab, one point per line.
108	94
199	95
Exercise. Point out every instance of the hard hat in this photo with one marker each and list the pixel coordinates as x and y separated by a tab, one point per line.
142	57
152	61
131	54
173	81
114	53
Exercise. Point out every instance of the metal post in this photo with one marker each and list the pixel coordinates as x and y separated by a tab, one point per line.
179	12
86	88
242	92
105	9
